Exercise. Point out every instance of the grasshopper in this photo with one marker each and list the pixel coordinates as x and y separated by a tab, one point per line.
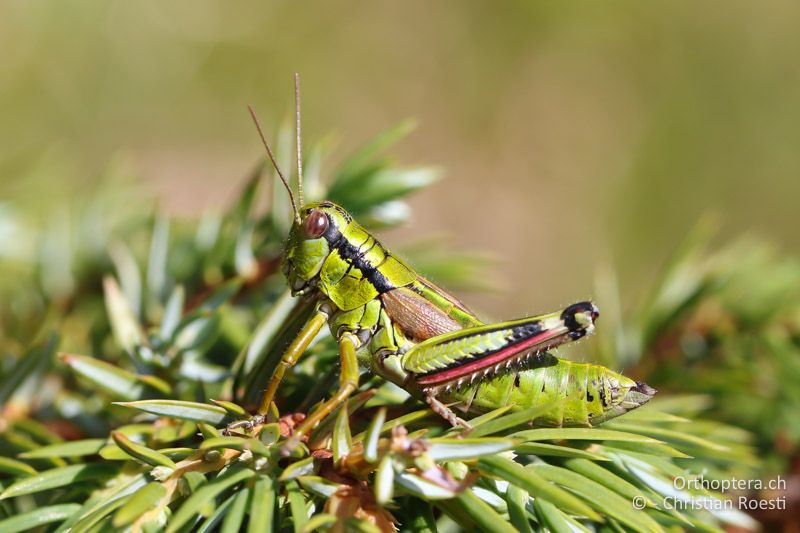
393	322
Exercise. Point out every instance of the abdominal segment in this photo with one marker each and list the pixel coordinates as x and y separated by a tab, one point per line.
581	394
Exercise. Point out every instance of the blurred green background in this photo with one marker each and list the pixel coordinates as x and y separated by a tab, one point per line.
581	143
572	135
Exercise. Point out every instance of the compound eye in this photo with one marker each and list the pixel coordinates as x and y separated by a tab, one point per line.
316	224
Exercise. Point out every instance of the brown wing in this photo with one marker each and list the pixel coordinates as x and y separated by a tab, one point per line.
441	292
418	318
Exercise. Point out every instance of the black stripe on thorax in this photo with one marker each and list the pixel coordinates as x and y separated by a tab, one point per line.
350	253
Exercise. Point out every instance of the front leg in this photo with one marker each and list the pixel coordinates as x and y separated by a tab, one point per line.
296	349
292	354
348	382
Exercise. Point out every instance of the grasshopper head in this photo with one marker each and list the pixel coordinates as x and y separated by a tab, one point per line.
318	226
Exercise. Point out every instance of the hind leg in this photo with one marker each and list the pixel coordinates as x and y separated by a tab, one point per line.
445	412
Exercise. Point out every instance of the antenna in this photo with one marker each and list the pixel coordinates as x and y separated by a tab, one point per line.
275	164
299	137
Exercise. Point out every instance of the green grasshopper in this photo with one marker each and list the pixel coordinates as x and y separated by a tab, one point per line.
395	323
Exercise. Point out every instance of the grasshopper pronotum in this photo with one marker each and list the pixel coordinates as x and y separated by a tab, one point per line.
395	323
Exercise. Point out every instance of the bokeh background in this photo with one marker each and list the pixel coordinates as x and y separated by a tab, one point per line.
572	135
582	144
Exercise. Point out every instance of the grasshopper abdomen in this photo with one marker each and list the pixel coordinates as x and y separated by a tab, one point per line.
583	394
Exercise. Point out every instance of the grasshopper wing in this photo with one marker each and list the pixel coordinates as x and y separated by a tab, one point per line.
482	350
423	311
